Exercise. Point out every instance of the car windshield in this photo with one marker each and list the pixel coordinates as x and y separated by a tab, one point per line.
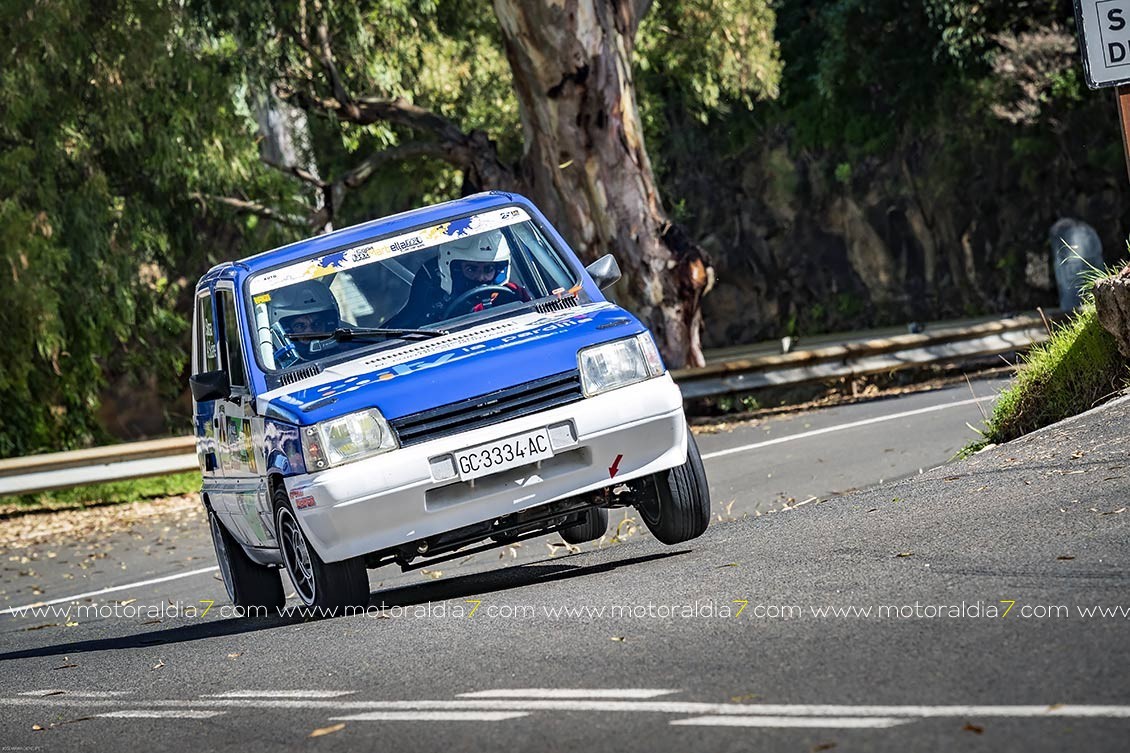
413	285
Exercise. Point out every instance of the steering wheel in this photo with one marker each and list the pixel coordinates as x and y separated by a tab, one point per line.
482	292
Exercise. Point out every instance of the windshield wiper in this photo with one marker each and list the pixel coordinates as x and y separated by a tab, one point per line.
344	334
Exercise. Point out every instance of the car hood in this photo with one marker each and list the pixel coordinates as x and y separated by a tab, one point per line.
465	364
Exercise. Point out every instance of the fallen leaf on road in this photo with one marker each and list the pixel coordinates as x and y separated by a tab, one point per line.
160	663
822	746
1055	706
728	564
973	728
235	655
37	728
905	554
617	638
328	730
71	623
126	603
67	664
873	509
1066	557
433	574
40	627
1119	511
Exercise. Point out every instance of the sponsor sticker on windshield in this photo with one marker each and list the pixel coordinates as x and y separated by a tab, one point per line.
387	248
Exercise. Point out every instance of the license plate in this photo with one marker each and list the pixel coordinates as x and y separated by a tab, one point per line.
503	454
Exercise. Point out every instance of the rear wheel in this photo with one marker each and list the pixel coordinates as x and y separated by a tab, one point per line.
678	507
318	584
248	583
589	525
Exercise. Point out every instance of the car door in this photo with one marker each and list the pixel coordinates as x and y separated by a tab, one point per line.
206	358
241	433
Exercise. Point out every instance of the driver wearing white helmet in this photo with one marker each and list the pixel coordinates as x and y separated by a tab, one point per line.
296	312
469	274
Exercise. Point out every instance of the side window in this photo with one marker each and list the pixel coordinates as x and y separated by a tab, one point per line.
233	348
205	355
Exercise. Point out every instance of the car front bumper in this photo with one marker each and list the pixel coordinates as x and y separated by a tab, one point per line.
395	498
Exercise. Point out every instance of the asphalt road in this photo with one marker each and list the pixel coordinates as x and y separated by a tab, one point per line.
637	646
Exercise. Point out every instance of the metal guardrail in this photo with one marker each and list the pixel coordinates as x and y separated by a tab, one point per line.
862	357
753	370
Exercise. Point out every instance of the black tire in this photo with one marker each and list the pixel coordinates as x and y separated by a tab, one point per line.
678	509
590	525
323	586
249	584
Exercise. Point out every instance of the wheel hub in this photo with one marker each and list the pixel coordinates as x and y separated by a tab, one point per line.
296	556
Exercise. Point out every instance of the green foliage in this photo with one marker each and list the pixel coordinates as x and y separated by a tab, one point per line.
859	72
110	118
446	57
709	53
1073	371
700	62
120	120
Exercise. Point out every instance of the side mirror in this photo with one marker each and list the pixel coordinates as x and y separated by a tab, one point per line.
210	385
604	271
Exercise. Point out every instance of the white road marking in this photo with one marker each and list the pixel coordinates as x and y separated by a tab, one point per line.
843	427
138	584
77	693
836	722
160	714
279	694
431	716
685	708
568	693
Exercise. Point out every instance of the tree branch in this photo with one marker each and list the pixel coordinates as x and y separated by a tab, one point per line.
472	152
369	110
357	176
629	14
247	206
326	56
297	171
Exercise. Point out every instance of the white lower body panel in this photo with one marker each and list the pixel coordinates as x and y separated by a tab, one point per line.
396	498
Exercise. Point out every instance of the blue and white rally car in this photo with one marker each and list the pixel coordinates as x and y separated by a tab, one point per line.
407	388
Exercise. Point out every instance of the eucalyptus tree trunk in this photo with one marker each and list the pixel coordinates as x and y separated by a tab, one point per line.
586	163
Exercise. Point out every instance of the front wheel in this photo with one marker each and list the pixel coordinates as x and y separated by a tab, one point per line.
249	584
677	508
325	586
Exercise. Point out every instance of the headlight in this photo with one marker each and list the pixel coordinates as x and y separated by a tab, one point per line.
618	364
345	439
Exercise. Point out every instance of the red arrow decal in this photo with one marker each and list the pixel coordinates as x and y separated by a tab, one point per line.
615	467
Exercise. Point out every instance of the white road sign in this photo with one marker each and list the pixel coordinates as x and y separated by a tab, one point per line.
1104	33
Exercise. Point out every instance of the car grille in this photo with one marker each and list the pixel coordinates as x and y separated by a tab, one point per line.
492	408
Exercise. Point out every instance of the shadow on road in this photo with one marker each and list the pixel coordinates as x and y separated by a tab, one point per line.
492	581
